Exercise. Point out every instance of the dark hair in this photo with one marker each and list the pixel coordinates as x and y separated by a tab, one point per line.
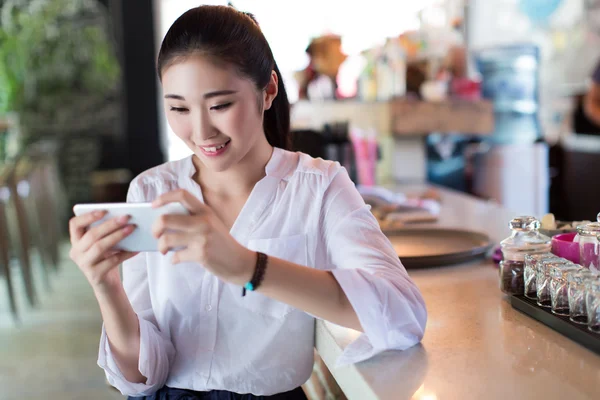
227	35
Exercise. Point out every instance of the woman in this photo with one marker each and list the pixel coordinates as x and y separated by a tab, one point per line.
291	230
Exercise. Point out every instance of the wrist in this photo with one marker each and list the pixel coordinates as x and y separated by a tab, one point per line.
258	275
246	267
107	289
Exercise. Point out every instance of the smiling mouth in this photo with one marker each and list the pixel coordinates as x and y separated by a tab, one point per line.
214	149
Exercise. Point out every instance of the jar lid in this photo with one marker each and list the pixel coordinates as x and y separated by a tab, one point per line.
547	265
525	238
524	223
536	257
590	229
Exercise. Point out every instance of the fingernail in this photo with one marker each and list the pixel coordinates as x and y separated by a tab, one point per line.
98	214
123	218
129	228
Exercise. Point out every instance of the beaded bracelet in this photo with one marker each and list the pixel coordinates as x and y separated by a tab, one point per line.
259	273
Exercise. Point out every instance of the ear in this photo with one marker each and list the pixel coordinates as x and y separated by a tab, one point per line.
270	91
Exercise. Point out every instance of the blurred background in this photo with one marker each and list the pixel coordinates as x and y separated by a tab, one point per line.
480	96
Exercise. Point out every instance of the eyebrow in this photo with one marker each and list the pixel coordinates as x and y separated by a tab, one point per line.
206	95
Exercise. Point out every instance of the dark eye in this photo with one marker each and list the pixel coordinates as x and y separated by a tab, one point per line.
220	106
179	109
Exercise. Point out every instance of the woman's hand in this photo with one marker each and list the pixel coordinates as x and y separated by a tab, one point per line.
202	238
92	248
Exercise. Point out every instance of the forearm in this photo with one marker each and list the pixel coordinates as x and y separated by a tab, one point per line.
313	291
123	331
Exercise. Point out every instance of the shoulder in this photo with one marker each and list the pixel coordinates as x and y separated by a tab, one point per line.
153	181
324	187
316	176
305	166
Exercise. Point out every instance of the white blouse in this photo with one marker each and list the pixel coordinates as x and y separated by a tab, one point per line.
198	332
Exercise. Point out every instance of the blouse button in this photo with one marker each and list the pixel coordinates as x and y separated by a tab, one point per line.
208	307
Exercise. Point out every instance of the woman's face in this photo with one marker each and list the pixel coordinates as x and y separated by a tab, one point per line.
215	111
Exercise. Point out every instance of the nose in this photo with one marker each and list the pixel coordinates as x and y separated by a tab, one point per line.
203	128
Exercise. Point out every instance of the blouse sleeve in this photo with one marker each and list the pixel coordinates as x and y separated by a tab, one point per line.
156	349
389	305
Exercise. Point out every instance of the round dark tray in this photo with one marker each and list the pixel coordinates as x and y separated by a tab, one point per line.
437	247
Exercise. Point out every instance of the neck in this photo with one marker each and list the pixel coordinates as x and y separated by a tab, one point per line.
240	178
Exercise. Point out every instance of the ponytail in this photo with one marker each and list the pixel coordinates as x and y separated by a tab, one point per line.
276	121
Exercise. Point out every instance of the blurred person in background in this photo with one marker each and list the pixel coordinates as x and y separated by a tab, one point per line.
592	100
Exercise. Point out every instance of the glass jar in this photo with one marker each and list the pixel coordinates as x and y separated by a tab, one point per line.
531	261
559	287
589	246
543	280
592	303
525	239
577	291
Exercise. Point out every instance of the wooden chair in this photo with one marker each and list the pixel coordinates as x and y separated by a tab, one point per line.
30	214
19	229
34	219
5	270
52	193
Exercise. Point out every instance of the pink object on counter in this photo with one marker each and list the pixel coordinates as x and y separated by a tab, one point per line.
365	150
372	152
563	246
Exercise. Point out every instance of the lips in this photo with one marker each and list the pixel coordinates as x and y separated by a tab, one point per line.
215	150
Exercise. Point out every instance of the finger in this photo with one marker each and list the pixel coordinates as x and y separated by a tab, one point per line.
184	223
184	255
79	224
111	253
98	232
173	240
111	262
190	202
100	248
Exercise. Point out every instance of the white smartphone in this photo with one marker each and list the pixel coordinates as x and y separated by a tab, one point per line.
143	215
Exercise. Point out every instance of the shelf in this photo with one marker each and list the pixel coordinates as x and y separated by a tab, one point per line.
474	117
401	117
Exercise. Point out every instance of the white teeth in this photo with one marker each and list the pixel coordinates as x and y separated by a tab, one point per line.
214	149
